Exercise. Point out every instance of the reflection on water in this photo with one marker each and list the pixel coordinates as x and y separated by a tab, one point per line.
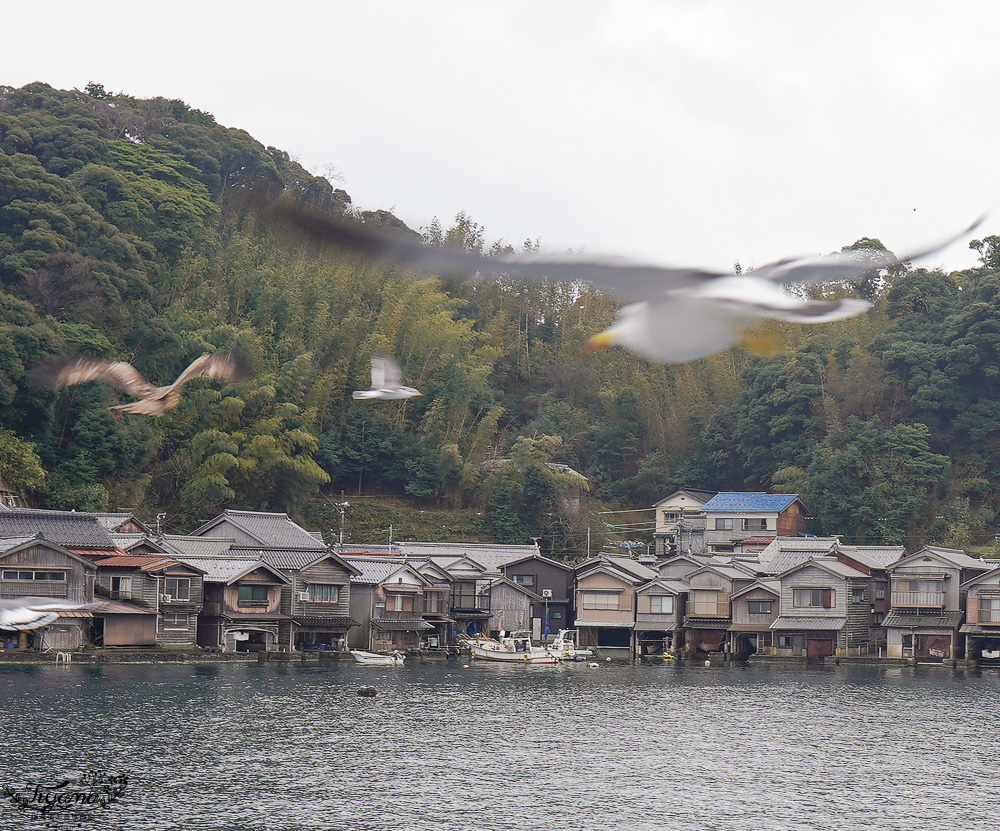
292	747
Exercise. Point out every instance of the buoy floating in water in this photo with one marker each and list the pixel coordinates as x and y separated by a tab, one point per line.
708	663
367	692
593	664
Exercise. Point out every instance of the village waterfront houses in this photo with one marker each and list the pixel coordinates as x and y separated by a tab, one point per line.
752	585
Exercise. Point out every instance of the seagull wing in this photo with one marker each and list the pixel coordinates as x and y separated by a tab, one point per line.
31	612
81	370
849	265
631	281
224	365
390	375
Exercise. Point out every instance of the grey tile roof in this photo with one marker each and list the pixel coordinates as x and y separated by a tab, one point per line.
954	556
196	546
490	556
289	559
412	625
375	570
14	542
270	529
113	521
884	555
221	569
69	529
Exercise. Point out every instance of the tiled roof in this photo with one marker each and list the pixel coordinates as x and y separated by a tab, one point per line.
269	529
113	607
14	542
290	559
334	621
221	569
413	625
66	528
135	561
707	623
749	503
196	546
809	624
113	521
953	556
884	555
374	570
488	555
908	620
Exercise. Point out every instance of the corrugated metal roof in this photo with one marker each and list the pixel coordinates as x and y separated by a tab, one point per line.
809	624
113	607
645	626
134	560
908	620
749	503
412	625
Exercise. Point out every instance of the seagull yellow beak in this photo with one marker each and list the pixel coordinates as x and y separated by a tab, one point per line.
599	341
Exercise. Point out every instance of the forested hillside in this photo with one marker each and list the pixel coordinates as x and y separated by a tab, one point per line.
128	231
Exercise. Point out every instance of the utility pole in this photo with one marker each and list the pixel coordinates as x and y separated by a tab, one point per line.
342	506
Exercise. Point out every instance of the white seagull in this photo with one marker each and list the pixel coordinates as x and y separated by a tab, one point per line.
22	613
387	381
675	314
153	400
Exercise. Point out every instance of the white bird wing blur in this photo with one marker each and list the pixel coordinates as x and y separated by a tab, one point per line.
389	372
22	613
631	281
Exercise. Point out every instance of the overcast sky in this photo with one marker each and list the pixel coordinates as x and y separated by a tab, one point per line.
687	133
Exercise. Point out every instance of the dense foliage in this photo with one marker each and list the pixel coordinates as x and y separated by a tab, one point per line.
126	232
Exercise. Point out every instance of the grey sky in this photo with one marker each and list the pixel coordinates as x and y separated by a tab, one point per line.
681	132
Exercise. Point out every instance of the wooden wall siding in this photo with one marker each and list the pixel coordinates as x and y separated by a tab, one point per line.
813	578
741	609
177	636
677	571
77	588
230	532
710	580
362	598
67	634
511	607
327	572
791	521
857	632
231	598
602	580
624	614
951	581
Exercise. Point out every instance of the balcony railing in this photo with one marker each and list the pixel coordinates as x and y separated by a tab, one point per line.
920	600
719	609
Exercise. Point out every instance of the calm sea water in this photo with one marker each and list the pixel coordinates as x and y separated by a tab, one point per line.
280	747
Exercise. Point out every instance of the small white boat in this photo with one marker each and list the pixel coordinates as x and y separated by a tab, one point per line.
394	658
515	649
565	648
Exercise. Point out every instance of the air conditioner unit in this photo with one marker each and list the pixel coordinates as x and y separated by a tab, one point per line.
546	592
301	595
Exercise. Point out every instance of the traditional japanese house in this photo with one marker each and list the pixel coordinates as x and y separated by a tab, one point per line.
928	603
510	606
825	610
387	600
679	523
79	532
437	607
679	566
553	583
151	584
707	617
659	615
754	608
734	516
605	602
37	567
242	609
982	616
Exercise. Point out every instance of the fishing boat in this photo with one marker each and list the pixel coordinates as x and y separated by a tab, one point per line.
564	646
514	649
394	658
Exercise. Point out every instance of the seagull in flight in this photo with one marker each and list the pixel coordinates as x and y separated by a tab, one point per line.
387	381
21	613
153	400
673	315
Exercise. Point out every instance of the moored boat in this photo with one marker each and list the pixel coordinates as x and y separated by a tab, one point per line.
394	658
564	646
515	649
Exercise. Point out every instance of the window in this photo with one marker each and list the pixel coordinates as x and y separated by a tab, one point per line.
857	594
463	596
786	641
399	603
600	600
989	609
723	524
253	595
37	574
662	604
121	586
880	591
818	598
710	603
754	524
179	588
526	580
175	620
323	593
555	615
759	607
671	516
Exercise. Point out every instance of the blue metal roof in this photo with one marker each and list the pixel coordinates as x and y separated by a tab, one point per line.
749	503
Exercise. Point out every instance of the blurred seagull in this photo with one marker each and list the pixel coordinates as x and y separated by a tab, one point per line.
20	613
152	400
387	381
676	314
